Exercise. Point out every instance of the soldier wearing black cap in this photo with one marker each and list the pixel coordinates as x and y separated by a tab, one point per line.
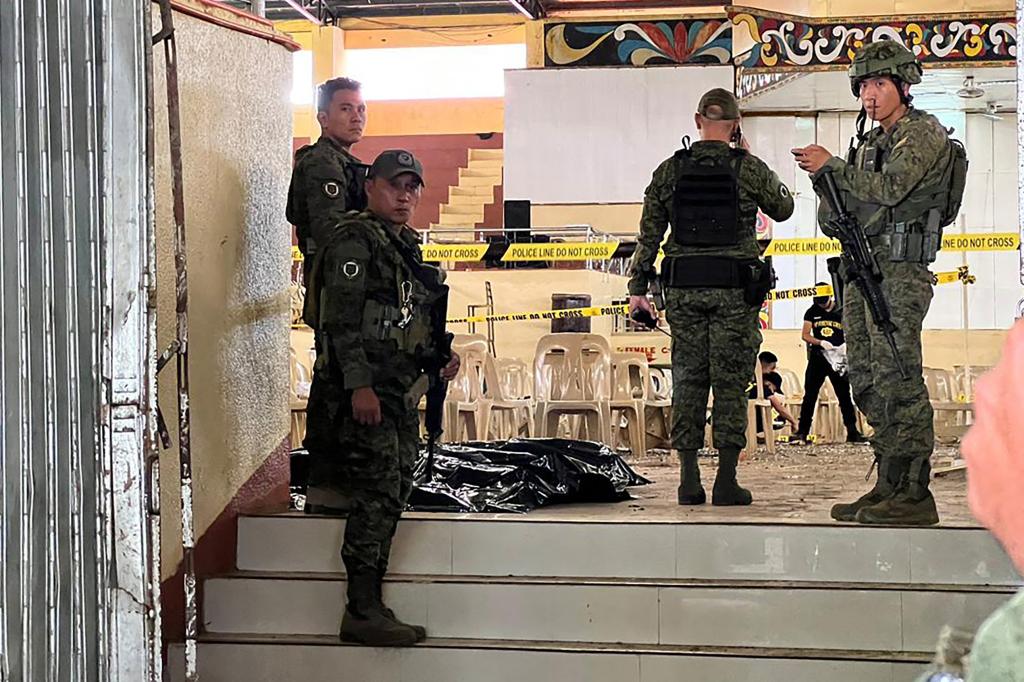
369	301
714	283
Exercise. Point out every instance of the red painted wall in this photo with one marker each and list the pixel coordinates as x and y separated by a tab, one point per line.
441	156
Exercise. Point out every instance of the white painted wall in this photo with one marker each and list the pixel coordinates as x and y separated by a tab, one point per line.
595	135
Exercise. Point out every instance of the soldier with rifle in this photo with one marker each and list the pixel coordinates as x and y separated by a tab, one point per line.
887	204
380	312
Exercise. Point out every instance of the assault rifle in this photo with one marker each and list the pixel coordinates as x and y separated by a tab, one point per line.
433	280
859	258
438	388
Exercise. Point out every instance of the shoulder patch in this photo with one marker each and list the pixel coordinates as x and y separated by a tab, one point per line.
350	269
332	189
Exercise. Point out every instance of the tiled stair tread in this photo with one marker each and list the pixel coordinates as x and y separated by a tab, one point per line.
628	582
588	647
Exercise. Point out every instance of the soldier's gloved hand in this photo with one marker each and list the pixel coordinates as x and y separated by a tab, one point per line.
366	406
641	303
452	368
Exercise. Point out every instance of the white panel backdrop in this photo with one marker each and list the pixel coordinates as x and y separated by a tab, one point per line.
595	135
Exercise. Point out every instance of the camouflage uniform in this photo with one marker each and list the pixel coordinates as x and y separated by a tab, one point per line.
890	176
360	279
327	183
370	299
998	651
715	332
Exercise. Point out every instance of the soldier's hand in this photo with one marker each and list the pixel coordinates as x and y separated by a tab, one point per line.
812	157
640	303
366	406
452	368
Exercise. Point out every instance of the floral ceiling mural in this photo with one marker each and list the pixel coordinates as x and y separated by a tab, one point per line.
641	43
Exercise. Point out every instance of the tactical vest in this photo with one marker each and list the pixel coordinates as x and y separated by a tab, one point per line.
705	204
912	230
404	319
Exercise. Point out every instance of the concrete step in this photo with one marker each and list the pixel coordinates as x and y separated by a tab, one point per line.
488	180
486	154
487	164
687	613
462	208
500	545
457	220
272	658
490	174
472	191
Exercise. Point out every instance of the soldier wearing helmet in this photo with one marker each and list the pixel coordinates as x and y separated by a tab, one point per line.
898	180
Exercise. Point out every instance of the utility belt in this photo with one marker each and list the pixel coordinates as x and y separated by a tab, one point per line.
754	276
916	241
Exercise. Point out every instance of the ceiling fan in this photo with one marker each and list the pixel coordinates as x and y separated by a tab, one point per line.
973	90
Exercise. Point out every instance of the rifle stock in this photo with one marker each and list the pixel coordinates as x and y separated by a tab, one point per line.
438	387
859	258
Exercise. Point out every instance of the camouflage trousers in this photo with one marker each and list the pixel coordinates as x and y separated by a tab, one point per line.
715	339
898	409
370	466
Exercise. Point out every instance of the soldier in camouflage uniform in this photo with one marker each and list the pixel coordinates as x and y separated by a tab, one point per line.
369	301
714	284
897	182
327	182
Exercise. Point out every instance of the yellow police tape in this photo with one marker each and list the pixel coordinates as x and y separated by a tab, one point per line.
960	275
583	251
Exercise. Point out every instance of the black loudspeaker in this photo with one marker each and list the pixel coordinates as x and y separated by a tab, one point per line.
517	217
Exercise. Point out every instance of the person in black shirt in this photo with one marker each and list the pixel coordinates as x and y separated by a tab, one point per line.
772	384
823	332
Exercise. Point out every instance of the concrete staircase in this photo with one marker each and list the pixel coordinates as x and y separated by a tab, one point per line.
466	201
506	599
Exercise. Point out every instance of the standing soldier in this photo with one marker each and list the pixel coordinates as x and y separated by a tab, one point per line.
904	181
714	284
327	182
370	298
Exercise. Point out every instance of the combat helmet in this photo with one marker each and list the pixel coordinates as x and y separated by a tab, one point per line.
884	58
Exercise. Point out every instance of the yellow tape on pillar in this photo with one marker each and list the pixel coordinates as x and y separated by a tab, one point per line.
296	254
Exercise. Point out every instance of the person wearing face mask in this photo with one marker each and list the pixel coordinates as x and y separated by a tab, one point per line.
823	333
903	180
714	284
370	299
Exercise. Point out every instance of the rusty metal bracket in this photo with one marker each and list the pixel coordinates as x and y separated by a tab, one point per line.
179	349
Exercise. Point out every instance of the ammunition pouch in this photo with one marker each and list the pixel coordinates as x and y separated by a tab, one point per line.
915	241
754	276
380	323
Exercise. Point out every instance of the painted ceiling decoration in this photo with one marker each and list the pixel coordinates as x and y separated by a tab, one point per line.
764	41
760	42
638	43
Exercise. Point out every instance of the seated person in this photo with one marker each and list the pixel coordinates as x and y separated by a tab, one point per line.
772	384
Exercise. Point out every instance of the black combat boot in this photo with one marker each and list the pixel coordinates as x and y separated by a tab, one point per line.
365	621
690	490
853	435
912	505
421	632
890	472
727	491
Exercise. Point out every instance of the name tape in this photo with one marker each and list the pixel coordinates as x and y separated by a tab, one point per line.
960	275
